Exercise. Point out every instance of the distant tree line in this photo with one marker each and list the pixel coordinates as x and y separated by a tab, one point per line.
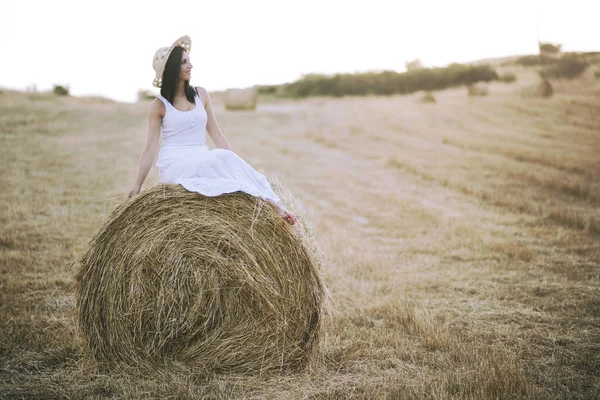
144	95
568	65
385	82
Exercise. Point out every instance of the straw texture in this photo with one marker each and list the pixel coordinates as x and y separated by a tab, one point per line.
217	283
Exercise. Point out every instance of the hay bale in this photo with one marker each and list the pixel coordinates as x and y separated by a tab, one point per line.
477	90
427	97
544	89
215	283
241	99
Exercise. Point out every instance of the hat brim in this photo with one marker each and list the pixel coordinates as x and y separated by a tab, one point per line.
184	42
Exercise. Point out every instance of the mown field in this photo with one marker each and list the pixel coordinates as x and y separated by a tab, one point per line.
462	240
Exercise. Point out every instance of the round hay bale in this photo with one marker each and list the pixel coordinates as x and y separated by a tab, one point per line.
427	97
477	90
544	89
216	283
241	99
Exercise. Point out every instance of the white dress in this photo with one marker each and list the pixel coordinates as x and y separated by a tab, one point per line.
185	159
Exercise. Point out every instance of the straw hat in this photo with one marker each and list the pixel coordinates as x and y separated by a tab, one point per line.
162	55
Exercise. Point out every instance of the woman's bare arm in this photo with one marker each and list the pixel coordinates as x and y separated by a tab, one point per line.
212	127
156	113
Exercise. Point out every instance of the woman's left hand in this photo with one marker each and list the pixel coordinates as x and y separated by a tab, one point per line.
134	192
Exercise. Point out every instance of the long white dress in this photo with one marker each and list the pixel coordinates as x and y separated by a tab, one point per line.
185	159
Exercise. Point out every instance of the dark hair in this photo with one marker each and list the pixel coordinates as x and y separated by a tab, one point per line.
170	77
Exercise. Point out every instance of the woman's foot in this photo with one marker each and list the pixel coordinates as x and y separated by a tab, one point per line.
284	212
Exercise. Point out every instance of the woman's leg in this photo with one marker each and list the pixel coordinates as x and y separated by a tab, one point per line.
284	212
244	172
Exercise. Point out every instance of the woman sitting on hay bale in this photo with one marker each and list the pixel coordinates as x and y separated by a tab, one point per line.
232	289
185	115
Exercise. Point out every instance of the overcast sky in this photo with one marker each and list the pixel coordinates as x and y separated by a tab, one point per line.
106	47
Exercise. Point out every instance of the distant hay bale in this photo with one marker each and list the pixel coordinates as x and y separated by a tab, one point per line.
427	97
216	283
241	99
544	89
477	90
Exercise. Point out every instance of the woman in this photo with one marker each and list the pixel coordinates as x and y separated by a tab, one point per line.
185	115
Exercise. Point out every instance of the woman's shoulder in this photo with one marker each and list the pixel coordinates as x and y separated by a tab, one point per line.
157	108
201	90
203	93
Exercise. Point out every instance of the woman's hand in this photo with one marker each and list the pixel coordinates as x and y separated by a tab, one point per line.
133	192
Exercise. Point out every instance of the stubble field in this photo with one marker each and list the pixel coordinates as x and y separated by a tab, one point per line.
462	240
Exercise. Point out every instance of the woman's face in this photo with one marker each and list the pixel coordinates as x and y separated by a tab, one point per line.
186	67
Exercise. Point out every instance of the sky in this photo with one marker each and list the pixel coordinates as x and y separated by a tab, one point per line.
106	47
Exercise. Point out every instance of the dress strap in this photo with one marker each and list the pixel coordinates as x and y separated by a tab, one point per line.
167	104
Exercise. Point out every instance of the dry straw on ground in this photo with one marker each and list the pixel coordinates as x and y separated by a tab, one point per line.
214	283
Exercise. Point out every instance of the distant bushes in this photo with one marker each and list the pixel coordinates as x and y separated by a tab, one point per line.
389	82
60	90
267	89
568	66
550	64
145	95
507	77
549	48
535	60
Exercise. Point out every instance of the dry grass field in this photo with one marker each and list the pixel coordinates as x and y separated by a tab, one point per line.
462	241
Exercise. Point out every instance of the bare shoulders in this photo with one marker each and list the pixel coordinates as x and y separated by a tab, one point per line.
203	93
157	108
